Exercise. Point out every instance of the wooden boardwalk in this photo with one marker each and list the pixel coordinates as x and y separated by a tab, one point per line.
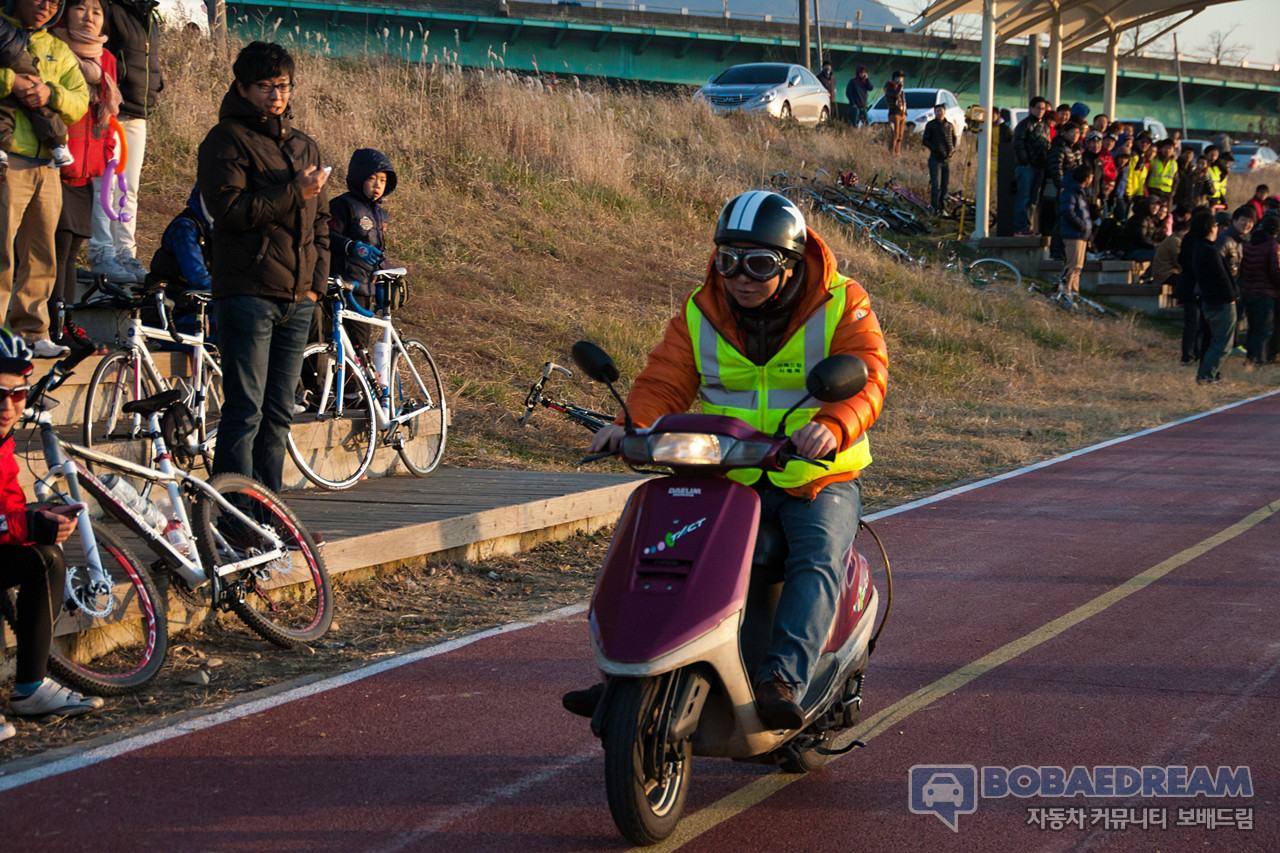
480	511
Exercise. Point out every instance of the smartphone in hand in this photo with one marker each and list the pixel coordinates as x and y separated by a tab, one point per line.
69	510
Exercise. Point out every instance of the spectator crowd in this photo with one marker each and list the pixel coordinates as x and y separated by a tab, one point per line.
1104	189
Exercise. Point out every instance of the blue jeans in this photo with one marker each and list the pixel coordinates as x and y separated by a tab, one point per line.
939	179
857	116
1261	313
1030	182
1221	319
819	533
259	382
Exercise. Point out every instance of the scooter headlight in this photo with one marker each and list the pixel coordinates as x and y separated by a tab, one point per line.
694	448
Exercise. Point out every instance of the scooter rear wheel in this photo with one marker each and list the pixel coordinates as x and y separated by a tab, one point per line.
646	776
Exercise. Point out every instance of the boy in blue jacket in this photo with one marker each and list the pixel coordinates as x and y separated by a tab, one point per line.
1076	226
183	260
358	228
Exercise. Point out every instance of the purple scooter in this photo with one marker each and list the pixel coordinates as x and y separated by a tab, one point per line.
680	616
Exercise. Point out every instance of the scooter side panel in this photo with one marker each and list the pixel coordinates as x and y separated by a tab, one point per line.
678	566
851	607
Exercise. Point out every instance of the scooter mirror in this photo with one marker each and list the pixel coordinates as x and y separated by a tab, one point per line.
836	377
597	364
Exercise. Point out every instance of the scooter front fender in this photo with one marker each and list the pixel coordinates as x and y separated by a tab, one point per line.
679	566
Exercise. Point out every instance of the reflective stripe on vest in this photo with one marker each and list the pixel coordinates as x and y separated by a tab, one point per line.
1161	176
731	384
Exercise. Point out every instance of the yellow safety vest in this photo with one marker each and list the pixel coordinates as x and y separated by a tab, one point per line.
1219	179
731	384
1161	176
1137	180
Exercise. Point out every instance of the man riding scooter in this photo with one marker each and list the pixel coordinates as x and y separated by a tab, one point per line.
772	306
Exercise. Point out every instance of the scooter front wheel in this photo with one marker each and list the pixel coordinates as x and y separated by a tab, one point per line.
646	775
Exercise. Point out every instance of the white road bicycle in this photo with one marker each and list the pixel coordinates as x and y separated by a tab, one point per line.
349	402
131	373
230	544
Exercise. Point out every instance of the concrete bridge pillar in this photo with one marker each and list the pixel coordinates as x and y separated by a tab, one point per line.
987	97
1054	84
1031	64
1113	71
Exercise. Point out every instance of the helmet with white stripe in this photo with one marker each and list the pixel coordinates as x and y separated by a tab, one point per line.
15	355
763	218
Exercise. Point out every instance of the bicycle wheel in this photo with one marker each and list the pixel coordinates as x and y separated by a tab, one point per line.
332	450
994	274
118	379
287	600
111	637
416	387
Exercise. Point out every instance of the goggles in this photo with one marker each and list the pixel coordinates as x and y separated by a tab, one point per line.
17	395
760	264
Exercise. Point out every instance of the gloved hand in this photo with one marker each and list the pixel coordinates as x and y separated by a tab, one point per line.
365	253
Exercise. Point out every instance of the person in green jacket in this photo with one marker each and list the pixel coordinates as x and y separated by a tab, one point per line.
31	193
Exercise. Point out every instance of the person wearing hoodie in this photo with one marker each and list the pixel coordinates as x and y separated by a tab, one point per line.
856	91
31	194
262	182
182	262
772	305
1075	224
358	228
1260	287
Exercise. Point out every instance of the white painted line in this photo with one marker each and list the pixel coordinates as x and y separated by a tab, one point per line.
98	754
969	487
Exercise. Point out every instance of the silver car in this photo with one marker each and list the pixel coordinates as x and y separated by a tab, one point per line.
780	89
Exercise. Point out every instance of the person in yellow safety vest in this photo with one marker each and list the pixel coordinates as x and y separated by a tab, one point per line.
1136	179
773	304
1219	169
1163	171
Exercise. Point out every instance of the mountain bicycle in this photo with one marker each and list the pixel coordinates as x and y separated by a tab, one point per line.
348	403
592	420
130	373
228	544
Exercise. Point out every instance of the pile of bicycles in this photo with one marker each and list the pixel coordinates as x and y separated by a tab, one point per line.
870	211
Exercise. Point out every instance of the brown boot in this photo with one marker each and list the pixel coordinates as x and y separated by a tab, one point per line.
776	704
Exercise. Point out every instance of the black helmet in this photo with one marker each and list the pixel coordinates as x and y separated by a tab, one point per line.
764	218
15	355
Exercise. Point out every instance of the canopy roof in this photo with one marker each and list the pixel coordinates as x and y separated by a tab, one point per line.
1083	21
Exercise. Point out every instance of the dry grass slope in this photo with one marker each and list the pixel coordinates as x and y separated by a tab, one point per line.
531	218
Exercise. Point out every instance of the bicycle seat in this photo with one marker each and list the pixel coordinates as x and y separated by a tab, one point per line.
199	296
154	403
393	272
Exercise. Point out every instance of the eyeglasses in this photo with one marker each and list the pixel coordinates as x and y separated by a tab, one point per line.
760	264
17	395
268	88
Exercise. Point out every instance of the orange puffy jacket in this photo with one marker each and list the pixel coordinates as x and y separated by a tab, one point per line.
669	382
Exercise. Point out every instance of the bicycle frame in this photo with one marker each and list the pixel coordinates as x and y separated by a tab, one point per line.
64	460
592	420
203	366
344	310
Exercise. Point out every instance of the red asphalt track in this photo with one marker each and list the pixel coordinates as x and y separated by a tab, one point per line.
469	750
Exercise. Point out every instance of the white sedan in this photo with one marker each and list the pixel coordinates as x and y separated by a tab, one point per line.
920	103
